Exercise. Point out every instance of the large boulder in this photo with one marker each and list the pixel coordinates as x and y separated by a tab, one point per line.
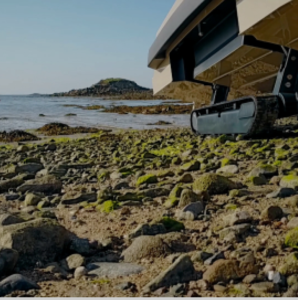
46	184
214	184
37	240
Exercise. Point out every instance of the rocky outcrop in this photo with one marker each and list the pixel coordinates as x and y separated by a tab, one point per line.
112	87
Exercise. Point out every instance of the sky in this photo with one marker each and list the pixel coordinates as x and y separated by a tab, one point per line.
49	46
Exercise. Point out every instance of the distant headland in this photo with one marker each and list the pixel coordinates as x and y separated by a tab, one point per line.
113	88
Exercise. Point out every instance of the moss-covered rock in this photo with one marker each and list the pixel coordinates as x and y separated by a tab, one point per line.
191	166
174	196
227	162
165	173
187	197
108	206
171	224
264	169
256	180
214	184
290	181
238	193
147	179
290	266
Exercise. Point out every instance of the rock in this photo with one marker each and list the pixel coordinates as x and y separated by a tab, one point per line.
293	223
37	240
32	199
74	261
279	279
290	266
249	279
282	193
32	168
292	292
289	181
236	229
174	196
264	287
185	178
16	282
238	193
191	166
113	270
148	229
214	184
10	258
191	211
8	184
12	197
272	213
46	184
222	270
211	260
80	272
201	256
144	247
156	192
232	169
8	219
81	246
187	197
68	200
22	148
292	280
181	271
219	288
171	224
265	170
240	217
147	179
257	180
125	286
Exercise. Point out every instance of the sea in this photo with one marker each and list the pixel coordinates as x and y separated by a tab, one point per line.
22	113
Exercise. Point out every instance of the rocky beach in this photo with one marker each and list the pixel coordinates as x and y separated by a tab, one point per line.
161	212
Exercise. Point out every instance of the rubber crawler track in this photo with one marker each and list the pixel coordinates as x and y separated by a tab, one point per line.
267	111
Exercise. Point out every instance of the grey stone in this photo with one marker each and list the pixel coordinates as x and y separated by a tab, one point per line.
231	169
239	217
32	168
8	219
237	229
181	271
80	272
264	287
32	199
211	260
46	184
282	193
279	279
16	282
80	246
10	258
6	185
293	223
156	192
12	197
191	211
74	261
113	270
147	229
201	256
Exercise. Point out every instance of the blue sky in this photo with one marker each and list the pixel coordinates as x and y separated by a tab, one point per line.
49	46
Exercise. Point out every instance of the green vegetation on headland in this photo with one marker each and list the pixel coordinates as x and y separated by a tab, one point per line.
113	88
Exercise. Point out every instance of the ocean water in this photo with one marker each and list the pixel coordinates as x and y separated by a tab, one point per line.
22	113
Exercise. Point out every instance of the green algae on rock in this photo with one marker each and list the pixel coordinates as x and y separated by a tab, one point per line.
214	184
290	266
174	196
108	206
171	224
290	181
149	178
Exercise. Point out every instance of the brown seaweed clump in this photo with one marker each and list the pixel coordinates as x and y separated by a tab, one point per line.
17	136
151	110
63	129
